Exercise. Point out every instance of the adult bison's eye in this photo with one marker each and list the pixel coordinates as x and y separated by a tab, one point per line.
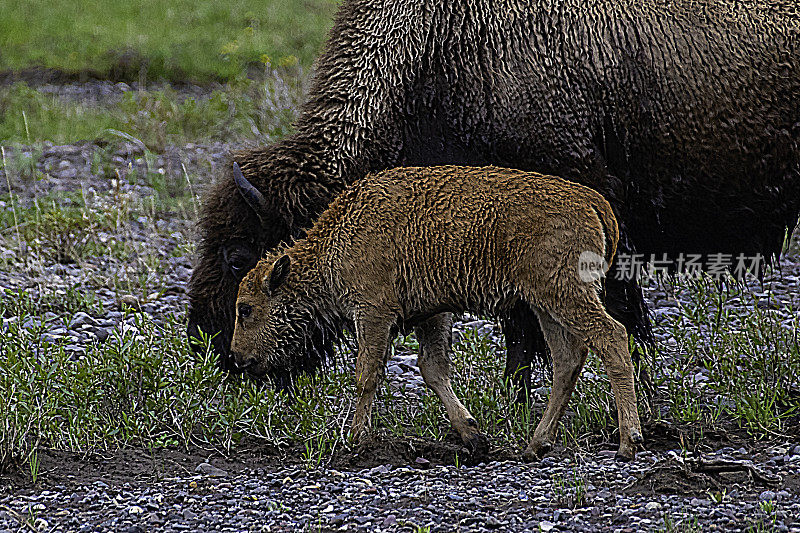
239	258
245	310
238	266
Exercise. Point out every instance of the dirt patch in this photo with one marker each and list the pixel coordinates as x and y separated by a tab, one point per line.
663	436
123	66
134	466
416	452
676	478
140	467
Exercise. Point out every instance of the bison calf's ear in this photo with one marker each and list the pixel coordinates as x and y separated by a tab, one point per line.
278	274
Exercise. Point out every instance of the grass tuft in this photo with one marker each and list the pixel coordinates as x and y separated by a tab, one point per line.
245	110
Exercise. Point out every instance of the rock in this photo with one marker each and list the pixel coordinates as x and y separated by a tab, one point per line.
68	173
130	301
766	495
102	334
545	526
421	462
81	319
135	509
210	470
494	523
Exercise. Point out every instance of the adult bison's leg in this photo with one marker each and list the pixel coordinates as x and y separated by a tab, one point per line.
525	347
435	339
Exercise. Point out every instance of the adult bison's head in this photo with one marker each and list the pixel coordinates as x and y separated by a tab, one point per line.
250	211
237	224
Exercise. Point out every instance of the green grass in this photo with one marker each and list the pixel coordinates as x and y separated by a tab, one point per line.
753	367
570	491
178	40
261	110
143	388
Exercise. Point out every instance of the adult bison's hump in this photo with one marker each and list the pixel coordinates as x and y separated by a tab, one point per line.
685	119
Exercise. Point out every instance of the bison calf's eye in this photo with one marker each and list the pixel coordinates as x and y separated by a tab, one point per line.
245	310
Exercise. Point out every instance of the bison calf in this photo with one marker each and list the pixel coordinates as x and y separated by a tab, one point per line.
405	245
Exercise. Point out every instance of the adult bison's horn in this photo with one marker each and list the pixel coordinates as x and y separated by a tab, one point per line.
251	195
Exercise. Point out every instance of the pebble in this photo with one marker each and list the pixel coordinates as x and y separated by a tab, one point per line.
545	526
210	470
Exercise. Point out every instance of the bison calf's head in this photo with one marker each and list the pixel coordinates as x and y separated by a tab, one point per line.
272	323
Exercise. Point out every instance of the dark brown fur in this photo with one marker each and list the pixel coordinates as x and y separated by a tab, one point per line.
683	115
405	245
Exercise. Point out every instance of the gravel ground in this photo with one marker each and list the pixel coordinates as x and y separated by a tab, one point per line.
593	493
406	491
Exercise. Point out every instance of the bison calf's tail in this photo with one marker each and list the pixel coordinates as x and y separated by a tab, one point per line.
610	228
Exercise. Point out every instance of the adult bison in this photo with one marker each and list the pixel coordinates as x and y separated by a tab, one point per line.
684	116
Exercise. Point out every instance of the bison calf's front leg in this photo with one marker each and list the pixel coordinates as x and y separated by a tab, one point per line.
434	337
373	344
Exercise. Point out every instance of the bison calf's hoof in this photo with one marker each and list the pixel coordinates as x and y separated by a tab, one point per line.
627	450
536	451
477	446
624	457
626	453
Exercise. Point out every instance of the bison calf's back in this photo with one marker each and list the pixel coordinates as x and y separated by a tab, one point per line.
403	247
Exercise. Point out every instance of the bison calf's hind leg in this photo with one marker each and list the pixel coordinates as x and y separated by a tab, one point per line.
587	319
575	307
373	335
568	354
434	336
610	341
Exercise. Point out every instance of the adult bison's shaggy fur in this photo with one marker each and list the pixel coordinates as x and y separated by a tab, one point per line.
683	115
407	244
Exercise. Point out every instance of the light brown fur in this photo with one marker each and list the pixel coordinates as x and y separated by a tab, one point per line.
410	244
